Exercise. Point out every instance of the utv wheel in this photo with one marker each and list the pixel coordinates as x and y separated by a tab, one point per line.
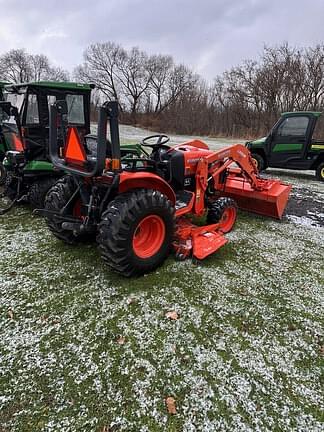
320	172
56	199
136	231
38	190
3	174
223	211
259	161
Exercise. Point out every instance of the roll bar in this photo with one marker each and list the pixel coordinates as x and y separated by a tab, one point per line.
108	111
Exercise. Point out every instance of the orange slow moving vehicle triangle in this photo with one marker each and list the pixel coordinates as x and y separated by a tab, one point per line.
74	150
17	143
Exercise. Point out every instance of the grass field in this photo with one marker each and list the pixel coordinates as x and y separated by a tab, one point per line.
83	349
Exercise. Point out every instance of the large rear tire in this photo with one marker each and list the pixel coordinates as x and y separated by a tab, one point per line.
136	232
56	199
38	190
320	172
224	212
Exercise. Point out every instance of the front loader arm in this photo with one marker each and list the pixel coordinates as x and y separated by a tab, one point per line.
220	161
264	196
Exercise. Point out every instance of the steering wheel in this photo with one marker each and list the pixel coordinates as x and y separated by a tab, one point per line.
160	140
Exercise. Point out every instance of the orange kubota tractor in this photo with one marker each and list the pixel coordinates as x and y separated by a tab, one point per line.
141	207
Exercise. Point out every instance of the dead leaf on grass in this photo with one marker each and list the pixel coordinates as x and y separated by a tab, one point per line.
121	340
172	315
170	403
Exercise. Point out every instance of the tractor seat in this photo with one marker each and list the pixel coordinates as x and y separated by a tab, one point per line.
172	165
90	143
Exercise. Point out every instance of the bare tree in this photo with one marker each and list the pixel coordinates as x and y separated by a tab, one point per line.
160	68
135	77
18	66
100	65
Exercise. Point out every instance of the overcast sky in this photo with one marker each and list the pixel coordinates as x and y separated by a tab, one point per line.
208	35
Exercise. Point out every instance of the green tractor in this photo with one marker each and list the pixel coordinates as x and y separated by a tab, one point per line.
26	169
294	142
24	125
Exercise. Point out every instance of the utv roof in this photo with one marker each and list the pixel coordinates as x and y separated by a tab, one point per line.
314	113
53	85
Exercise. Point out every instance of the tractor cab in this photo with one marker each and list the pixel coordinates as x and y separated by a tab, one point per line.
296	142
26	168
32	101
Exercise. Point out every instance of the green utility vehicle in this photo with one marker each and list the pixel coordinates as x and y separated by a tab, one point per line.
24	127
296	142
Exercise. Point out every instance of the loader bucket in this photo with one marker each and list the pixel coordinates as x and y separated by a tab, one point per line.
271	201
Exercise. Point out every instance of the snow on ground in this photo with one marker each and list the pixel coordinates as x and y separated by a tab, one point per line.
135	134
83	349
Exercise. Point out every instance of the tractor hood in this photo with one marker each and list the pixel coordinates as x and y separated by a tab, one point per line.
260	142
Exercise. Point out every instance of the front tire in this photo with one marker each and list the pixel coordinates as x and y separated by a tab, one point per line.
136	232
320	172
11	186
259	161
56	199
224	212
38	190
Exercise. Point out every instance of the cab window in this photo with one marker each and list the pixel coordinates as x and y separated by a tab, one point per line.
293	126
15	100
32	115
51	99
75	109
318	134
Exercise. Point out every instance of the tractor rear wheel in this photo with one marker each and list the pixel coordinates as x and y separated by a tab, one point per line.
259	161
38	190
320	172
3	174
136	231
56	199
223	211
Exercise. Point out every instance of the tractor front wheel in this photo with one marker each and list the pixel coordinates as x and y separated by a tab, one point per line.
320	172
38	190
223	211
56	199
259	161
11	186
136	231
3	174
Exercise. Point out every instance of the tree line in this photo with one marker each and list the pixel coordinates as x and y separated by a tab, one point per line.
155	91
